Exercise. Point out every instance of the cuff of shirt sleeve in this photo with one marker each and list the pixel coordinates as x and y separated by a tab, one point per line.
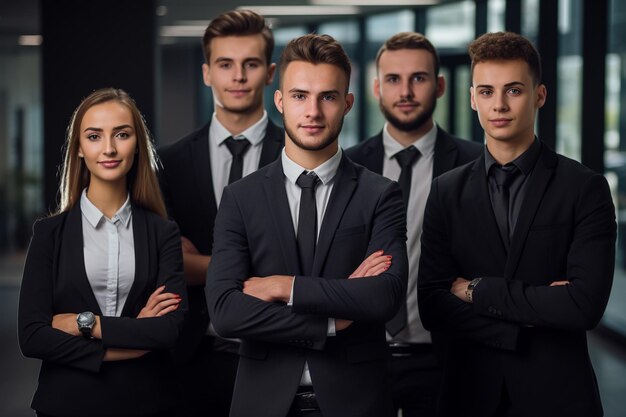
290	303
332	331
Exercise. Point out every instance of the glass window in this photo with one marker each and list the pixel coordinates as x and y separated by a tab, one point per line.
451	25
347	33
530	18
383	26
615	159
495	15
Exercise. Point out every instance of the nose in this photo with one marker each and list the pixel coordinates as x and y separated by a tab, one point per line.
406	91
313	109
500	103
109	146
240	74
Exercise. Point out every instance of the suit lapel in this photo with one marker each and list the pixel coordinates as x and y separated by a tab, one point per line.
73	238
374	154
345	184
485	218
535	189
445	153
272	144
199	149
274	187
142	260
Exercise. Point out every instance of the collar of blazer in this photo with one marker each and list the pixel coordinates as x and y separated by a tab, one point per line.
537	185
345	183
72	240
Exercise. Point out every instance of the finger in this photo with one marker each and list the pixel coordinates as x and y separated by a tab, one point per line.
152	300
359	271
377	270
166	303
167	310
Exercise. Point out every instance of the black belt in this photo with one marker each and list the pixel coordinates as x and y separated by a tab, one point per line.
399	350
305	399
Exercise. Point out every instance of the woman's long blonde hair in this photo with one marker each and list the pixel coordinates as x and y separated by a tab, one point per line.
142	181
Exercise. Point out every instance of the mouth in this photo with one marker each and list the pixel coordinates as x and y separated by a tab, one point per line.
238	92
406	106
500	122
110	164
312	129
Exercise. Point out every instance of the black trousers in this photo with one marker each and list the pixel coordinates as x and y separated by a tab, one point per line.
415	382
207	382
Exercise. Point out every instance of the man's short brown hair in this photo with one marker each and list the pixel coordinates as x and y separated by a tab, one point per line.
315	49
238	23
409	40
506	46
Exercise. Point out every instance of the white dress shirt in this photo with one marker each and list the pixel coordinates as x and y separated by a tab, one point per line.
326	173
421	178
109	251
220	157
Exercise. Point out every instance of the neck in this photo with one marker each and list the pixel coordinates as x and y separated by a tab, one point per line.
407	138
309	159
108	197
236	123
504	152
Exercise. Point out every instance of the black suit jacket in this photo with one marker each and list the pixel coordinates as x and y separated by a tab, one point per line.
254	236
74	380
519	333
450	152
187	186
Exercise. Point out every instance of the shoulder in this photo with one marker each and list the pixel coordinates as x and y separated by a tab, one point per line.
372	181
174	149
155	222
49	224
467	148
364	147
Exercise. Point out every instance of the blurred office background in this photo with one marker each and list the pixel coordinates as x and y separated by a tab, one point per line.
54	52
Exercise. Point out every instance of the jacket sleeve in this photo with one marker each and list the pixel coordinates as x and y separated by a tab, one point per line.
154	333
238	315
370	298
590	265
36	336
440	309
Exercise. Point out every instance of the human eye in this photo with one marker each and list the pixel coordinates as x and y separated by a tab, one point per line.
298	96
224	65
329	97
92	137
252	65
485	92
392	79
418	78
515	91
122	135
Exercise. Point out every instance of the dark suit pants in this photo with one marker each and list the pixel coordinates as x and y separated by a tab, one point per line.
415	379
207	382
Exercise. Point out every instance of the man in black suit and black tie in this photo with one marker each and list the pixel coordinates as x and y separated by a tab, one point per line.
288	237
239	139
412	150
518	253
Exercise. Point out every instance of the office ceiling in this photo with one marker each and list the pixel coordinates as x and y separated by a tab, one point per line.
21	17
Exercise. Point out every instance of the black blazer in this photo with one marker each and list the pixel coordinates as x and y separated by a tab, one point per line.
450	152
254	236
74	380
519	333
187	186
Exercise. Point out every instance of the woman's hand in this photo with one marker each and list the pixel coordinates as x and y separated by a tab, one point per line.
373	265
159	303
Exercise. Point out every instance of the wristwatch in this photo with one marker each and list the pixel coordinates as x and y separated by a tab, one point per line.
470	288
86	321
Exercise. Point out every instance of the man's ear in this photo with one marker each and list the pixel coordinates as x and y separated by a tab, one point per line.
271	71
278	101
376	91
472	102
206	74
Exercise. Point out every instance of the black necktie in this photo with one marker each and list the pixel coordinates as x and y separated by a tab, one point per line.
503	177
237	149
307	220
406	159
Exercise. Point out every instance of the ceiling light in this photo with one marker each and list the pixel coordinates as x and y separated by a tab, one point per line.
183	31
302	10
30	40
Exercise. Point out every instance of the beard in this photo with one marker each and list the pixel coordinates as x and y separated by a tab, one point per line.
413	124
325	141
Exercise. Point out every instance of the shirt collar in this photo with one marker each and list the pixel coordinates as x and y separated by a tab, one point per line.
254	133
325	172
525	162
94	216
424	144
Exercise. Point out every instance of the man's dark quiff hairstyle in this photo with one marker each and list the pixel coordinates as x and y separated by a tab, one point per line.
238	23
315	49
508	46
409	40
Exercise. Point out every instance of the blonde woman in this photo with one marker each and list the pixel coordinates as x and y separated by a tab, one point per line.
103	294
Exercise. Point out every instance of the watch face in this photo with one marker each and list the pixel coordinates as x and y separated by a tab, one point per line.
86	319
